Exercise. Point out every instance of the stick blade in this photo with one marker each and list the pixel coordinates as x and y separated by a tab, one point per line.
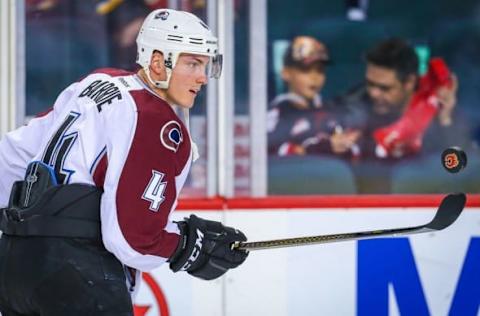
449	210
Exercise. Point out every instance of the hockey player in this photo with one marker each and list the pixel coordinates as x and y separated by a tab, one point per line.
94	180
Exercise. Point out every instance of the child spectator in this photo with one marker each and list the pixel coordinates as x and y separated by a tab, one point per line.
298	120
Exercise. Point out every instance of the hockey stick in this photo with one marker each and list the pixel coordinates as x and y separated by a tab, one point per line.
448	211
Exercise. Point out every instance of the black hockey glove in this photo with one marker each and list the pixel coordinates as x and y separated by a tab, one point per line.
205	250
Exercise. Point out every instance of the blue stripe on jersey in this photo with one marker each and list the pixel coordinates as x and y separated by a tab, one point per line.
97	159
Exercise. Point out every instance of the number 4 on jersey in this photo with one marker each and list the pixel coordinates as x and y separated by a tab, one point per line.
154	192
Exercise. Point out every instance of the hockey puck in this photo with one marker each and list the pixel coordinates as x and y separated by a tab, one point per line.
454	159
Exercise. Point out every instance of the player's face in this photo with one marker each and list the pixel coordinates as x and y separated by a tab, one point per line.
188	77
385	89
306	83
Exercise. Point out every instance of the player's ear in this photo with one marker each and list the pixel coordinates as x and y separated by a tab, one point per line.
157	66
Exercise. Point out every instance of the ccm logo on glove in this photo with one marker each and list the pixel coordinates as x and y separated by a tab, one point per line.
205	248
195	253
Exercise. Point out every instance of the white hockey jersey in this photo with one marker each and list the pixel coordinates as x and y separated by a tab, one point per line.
111	131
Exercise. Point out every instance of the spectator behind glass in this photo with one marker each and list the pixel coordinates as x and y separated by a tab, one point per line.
398	112
298	121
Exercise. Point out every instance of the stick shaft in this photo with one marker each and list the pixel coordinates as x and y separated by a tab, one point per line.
324	239
447	213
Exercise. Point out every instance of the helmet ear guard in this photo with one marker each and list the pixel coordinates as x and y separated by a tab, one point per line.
174	32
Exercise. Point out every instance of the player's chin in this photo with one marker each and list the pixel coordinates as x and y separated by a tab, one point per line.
187	103
309	94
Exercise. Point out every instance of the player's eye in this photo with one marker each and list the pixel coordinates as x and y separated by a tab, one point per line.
193	64
383	87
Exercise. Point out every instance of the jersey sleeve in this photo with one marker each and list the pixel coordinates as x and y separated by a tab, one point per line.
140	188
18	147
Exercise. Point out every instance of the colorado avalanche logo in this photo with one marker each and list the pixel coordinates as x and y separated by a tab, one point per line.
171	136
162	15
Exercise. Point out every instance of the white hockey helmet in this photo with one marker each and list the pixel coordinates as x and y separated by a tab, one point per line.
174	32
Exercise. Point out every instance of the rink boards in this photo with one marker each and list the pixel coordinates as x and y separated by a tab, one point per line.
430	274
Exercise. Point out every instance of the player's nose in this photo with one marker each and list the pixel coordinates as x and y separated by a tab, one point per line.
202	79
375	93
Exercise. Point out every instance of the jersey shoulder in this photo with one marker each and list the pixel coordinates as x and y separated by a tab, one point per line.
107	86
112	72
